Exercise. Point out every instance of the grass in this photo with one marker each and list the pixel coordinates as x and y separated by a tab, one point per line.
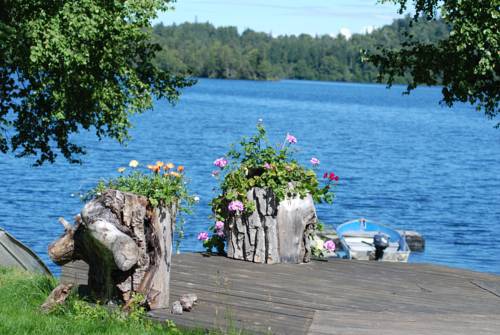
22	293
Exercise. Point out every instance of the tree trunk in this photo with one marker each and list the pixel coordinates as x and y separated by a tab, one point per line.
273	233
127	244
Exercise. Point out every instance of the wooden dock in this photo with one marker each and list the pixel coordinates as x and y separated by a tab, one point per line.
335	297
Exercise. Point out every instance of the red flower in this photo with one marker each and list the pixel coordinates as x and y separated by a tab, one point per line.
331	176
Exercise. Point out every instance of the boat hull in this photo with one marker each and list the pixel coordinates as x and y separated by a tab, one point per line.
15	254
361	255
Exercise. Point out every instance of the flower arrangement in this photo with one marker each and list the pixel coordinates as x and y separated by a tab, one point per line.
256	163
163	184
321	248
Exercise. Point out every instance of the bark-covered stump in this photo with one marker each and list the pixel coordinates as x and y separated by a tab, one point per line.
274	232
127	245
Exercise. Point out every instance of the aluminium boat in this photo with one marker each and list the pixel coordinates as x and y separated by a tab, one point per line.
15	254
363	239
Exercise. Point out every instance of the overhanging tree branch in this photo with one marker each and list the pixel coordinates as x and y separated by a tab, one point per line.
68	66
466	63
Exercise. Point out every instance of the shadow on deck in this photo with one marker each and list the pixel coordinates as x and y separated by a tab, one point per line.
335	297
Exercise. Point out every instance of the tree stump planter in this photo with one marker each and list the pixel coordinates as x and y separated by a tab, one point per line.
274	232
127	245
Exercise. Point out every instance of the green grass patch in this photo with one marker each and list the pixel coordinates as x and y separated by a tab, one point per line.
22	293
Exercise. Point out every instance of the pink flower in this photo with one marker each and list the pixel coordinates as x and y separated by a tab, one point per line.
220	162
203	236
329	245
267	166
291	139
235	206
219	225
215	173
314	161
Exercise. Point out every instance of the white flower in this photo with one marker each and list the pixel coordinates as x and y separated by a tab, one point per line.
196	198
318	243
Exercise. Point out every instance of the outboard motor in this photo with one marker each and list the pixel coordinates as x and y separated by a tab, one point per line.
380	242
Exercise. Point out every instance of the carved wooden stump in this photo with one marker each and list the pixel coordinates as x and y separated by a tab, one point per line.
274	233
127	244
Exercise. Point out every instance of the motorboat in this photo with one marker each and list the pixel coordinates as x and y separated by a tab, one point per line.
364	239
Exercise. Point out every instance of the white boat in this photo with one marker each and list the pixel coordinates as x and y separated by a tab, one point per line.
15	254
366	240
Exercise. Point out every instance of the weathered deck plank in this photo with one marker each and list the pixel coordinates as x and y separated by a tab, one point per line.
337	297
388	323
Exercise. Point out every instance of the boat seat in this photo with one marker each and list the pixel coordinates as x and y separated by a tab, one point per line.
357	243
360	247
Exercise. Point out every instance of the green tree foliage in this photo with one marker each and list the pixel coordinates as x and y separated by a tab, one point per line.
466	62
203	50
67	66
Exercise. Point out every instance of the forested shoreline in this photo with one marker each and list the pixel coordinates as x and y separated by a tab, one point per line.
203	50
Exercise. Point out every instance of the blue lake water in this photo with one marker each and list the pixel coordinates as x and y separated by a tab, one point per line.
403	160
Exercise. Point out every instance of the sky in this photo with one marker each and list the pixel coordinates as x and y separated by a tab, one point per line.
285	17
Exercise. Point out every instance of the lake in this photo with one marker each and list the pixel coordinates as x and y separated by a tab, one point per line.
403	160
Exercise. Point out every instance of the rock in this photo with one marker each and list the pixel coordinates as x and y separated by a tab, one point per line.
188	301
176	308
274	232
415	240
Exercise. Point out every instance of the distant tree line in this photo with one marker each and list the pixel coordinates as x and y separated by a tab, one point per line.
202	50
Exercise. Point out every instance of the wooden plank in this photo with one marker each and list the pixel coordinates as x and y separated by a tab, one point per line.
75	273
290	299
352	292
389	323
229	300
222	317
492	287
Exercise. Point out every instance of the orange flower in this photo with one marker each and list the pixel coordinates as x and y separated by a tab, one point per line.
175	174
180	168
154	168
159	163
170	165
